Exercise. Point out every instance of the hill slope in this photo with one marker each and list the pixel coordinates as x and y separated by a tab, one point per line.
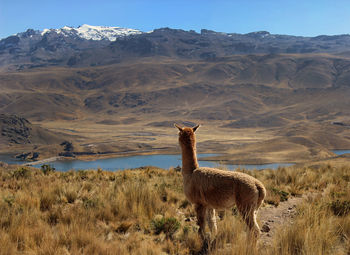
284	102
250	91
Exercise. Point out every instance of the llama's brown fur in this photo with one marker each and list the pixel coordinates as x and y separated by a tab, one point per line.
210	188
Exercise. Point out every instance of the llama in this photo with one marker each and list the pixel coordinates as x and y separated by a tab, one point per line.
210	188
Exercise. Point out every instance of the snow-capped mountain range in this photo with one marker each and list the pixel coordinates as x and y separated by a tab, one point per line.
95	33
34	48
97	45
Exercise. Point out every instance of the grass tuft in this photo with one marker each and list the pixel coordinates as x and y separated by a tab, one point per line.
166	225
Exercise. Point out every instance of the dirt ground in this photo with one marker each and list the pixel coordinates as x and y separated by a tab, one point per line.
271	218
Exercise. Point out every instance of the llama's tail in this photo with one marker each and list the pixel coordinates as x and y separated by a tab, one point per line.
262	193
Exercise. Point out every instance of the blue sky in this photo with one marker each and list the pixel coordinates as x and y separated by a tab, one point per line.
307	18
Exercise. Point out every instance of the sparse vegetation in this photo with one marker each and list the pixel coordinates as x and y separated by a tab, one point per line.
21	172
46	169
144	211
166	225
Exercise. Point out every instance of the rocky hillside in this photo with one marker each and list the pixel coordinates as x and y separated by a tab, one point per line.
93	46
17	130
249	91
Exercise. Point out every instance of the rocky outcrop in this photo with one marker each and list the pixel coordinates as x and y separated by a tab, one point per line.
15	129
18	130
28	156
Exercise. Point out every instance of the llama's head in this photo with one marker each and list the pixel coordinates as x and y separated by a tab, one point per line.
186	135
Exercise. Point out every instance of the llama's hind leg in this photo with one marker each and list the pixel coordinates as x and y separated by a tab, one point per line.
254	224
249	216
201	213
250	220
212	221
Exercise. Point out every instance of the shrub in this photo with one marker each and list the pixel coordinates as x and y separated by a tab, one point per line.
83	174
340	208
46	201
46	169
275	196
166	225
90	203
20	173
282	194
53	217
71	196
9	200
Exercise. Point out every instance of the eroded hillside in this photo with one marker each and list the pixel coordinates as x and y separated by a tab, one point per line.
281	107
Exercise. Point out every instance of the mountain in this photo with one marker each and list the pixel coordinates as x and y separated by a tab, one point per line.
95	46
54	47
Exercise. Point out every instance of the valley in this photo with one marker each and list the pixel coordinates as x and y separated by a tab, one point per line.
134	106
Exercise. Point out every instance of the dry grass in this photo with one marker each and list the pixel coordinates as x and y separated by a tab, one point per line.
144	211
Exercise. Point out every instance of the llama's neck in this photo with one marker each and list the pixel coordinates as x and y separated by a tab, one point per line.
189	159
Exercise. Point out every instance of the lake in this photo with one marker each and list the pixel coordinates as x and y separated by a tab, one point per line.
341	152
120	163
9	159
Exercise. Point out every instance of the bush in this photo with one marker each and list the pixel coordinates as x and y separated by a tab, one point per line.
9	200
83	174
90	203
282	194
166	225
46	169
20	173
71	196
340	208
46	202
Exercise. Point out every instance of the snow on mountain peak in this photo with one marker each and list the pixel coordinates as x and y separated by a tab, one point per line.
96	33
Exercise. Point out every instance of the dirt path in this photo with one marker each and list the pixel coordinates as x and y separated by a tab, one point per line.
271	218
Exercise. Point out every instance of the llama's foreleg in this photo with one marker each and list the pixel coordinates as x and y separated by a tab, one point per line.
201	212
212	221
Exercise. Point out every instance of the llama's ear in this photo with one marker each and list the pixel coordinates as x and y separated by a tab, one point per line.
195	128
176	125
